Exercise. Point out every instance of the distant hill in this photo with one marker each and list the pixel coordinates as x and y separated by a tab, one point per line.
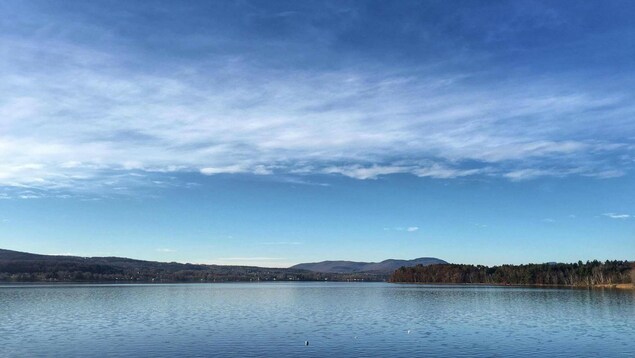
18	266
384	267
9	255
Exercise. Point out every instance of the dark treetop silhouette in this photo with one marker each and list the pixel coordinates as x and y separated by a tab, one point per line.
591	273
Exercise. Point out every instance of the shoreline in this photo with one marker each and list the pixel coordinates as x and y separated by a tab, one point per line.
618	286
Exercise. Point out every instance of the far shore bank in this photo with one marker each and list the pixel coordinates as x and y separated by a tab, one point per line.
619	286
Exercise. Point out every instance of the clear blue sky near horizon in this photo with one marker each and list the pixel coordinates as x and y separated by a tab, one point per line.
279	132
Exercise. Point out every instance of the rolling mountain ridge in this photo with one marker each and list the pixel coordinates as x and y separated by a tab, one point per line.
386	266
22	266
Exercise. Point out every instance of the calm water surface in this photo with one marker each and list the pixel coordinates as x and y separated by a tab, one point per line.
338	320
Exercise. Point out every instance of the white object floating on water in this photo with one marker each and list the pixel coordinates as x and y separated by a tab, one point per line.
408	331
306	343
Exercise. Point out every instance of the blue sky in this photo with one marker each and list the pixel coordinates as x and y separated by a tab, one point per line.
272	133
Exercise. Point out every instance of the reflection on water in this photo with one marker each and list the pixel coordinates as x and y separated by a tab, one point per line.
338	319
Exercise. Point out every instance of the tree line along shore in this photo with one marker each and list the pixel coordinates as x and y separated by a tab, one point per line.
26	267
618	274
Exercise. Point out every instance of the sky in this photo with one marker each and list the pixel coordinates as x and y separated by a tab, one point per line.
271	133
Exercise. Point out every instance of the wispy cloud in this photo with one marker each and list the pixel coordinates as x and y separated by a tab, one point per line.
75	116
283	243
618	216
406	229
164	250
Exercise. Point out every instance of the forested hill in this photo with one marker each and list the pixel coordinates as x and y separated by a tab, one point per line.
384	267
591	273
26	267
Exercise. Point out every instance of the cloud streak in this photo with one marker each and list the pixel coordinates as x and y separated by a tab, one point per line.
618	216
406	229
282	243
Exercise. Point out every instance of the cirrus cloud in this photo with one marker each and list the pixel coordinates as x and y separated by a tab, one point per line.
77	115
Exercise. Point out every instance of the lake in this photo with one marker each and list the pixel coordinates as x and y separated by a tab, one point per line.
337	319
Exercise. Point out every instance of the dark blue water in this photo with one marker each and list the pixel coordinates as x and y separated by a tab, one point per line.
338	320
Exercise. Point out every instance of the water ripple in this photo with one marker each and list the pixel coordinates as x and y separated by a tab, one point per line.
338	319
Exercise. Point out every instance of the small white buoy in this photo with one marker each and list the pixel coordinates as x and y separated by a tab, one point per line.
408	331
306	343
